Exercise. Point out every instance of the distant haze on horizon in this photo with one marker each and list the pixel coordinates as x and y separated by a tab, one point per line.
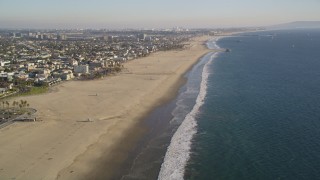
119	14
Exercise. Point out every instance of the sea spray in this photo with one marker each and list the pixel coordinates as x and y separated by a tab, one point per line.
178	151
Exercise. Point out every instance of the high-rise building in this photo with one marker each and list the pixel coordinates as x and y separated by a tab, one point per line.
110	39
62	37
141	36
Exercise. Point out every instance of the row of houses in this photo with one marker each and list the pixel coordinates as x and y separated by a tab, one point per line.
47	61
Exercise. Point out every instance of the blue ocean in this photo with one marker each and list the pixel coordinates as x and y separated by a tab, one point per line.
251	113
261	114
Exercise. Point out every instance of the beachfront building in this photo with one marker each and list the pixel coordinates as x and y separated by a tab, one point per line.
33	57
4	87
81	69
68	75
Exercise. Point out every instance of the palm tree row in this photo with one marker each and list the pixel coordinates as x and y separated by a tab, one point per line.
5	103
20	104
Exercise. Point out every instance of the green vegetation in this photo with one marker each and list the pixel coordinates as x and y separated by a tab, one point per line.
35	91
8	93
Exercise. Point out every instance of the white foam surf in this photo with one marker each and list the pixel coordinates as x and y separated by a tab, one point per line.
178	152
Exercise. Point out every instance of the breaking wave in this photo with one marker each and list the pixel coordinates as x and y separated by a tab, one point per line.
178	152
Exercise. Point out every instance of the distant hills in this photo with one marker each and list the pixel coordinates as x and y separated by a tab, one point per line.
296	24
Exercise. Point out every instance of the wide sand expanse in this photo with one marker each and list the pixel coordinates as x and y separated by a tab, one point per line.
63	144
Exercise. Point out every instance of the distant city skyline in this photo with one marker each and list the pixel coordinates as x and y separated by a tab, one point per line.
119	14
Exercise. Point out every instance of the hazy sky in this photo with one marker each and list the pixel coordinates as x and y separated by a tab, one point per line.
153	14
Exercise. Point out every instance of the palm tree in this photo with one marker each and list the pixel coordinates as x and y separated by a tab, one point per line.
25	103
14	104
8	104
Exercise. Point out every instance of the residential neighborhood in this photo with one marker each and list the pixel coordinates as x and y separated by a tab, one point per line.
46	57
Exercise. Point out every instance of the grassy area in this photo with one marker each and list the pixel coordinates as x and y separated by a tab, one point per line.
35	91
8	93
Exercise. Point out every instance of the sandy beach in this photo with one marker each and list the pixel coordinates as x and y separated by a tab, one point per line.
84	123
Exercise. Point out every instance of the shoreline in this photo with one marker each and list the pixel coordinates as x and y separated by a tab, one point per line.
121	150
64	146
151	120
178	151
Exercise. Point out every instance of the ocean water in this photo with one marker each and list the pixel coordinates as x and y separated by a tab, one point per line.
165	122
260	117
251	113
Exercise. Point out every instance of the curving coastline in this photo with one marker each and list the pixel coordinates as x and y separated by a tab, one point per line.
178	152
63	145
